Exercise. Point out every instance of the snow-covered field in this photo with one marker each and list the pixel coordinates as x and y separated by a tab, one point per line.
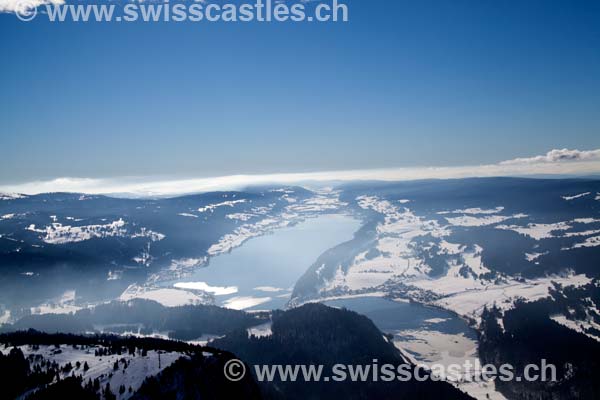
57	233
579	325
138	367
63	305
11	196
169	297
244	302
430	347
467	285
470	303
557	229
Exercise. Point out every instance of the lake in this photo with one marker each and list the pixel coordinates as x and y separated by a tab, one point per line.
425	334
265	269
260	275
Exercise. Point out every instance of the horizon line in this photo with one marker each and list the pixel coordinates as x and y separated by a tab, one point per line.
557	163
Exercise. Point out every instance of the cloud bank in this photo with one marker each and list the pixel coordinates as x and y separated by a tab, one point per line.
558	156
555	162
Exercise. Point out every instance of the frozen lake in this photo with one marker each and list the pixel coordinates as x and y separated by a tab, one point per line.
265	269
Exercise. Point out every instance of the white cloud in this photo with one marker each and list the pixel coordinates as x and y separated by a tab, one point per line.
555	162
558	156
24	6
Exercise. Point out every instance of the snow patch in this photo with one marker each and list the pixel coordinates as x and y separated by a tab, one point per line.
57	233
589	242
11	196
531	257
468	220
537	231
188	215
474	211
240	216
205	287
262	330
578	326
102	367
63	305
268	289
166	296
577	196
244	302
213	207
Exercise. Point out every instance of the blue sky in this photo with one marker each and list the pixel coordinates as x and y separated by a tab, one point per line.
403	84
